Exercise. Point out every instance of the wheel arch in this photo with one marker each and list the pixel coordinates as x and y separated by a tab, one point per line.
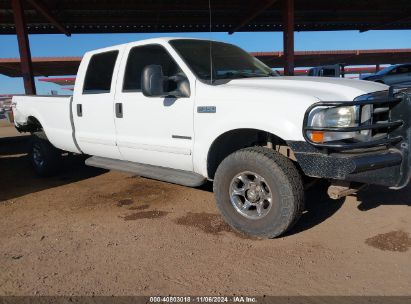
32	125
236	139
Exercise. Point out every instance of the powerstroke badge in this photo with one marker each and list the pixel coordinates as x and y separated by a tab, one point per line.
206	109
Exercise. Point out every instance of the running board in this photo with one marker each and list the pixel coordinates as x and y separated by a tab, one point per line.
174	176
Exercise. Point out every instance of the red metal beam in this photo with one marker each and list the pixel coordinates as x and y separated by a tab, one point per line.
24	47
59	80
288	36
43	10
257	11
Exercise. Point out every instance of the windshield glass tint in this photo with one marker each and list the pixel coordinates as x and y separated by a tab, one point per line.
229	61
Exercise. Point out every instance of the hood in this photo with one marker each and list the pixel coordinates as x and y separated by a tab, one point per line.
321	88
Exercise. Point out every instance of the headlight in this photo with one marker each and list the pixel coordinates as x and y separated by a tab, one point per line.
336	117
339	117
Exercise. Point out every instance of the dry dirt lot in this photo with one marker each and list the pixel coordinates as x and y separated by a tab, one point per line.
93	232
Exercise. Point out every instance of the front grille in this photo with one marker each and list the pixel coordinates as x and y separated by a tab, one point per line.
381	125
383	120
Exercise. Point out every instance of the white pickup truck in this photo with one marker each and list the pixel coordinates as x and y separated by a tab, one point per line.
187	111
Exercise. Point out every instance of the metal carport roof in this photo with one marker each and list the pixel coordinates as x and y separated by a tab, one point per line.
120	16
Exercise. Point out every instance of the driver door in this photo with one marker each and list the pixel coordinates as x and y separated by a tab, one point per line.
152	130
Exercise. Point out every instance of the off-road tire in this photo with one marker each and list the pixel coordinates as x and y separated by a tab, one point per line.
282	177
50	155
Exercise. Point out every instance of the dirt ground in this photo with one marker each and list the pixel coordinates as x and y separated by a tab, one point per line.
93	232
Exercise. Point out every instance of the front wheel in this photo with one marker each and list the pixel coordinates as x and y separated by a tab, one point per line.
44	157
259	192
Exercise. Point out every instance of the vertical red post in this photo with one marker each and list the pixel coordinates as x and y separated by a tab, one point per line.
24	47
288	36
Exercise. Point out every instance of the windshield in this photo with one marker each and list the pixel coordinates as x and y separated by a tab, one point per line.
229	61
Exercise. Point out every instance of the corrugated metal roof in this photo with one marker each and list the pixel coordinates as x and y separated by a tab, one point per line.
120	16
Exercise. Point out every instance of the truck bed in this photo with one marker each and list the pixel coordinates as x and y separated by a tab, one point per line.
53	113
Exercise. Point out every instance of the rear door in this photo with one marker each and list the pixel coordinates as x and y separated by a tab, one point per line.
153	130
93	106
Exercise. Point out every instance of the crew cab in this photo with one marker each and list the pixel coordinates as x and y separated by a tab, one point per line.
186	111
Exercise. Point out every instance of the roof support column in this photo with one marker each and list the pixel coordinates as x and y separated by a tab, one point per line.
288	36
24	47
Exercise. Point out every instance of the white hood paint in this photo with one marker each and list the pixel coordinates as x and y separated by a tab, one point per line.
321	88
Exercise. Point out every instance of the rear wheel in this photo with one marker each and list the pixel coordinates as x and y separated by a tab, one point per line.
44	157
259	192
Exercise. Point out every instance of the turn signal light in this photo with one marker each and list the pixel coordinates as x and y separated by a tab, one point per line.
317	136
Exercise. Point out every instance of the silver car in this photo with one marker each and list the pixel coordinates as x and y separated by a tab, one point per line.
398	74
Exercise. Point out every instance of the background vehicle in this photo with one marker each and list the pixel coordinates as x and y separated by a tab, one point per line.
166	109
334	70
399	74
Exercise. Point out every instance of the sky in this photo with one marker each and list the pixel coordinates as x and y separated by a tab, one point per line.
76	45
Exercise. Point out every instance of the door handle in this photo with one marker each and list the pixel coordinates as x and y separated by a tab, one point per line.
119	110
79	110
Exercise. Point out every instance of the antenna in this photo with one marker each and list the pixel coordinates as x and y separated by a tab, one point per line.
211	45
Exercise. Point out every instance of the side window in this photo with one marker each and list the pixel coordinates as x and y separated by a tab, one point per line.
393	72
142	56
403	69
100	73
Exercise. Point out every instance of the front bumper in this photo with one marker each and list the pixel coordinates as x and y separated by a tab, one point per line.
386	167
385	164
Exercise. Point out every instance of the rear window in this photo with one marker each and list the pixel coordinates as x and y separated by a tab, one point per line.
100	73
328	73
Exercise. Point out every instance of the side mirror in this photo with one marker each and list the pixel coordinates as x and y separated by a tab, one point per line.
155	84
152	81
